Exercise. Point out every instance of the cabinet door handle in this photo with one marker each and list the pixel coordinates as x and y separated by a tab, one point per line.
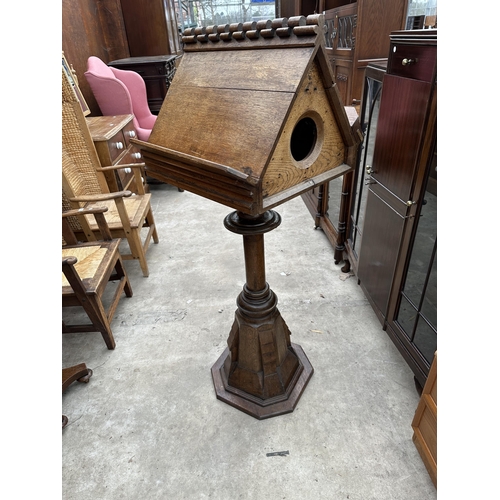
119	145
407	62
131	133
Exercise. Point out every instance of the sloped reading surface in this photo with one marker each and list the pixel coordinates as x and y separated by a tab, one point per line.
229	121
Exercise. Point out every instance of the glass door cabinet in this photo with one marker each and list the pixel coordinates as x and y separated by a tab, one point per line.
370	106
394	242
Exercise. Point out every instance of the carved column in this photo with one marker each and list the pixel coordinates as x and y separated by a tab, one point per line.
260	372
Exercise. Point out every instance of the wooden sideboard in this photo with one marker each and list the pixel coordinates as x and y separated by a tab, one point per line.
157	73
111	136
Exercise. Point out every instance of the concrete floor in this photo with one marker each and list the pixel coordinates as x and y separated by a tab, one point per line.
148	424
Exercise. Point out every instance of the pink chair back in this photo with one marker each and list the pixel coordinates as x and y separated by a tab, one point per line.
120	92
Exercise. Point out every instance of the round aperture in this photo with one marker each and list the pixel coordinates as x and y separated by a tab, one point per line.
303	138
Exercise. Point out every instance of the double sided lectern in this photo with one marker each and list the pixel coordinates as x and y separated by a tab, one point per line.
252	119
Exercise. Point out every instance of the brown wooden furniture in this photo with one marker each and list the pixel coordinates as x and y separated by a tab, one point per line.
357	36
425	423
111	136
369	113
99	29
260	137
398	255
84	185
157	73
151	27
87	269
79	373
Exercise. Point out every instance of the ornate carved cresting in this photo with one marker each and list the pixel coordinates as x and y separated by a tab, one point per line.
254	33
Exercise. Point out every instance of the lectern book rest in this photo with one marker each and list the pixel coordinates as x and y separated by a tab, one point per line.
252	119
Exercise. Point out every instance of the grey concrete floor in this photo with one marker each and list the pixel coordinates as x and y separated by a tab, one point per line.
148	424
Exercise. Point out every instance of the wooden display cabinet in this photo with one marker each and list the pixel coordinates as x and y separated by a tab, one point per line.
369	113
397	266
381	219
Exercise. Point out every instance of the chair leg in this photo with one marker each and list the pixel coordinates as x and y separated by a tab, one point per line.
151	222
97	314
137	250
122	274
119	275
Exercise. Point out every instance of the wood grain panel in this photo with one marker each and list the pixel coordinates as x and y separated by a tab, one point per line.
383	228
92	28
146	27
235	128
283	171
403	109
252	69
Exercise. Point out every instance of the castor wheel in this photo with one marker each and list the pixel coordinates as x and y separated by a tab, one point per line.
64	421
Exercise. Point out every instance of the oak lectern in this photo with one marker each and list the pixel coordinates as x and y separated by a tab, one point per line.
252	119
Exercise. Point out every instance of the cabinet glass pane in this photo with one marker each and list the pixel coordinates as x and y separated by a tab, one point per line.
407	316
425	340
334	197
429	304
423	248
369	118
417	313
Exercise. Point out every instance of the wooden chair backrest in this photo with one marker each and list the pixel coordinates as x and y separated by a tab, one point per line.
79	156
80	159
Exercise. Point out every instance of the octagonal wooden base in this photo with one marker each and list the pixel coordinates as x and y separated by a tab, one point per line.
255	406
260	372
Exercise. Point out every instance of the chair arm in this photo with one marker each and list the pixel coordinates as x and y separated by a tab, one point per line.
85	211
117	167
97	212
137	173
102	197
69	260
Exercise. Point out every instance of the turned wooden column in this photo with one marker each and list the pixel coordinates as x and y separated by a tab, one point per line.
260	372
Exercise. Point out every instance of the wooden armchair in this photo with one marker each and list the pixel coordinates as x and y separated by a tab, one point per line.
87	269
84	185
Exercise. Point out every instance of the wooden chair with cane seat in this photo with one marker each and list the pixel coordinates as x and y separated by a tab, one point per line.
87	269
84	185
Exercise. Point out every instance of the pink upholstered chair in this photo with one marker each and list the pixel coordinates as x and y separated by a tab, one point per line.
120	92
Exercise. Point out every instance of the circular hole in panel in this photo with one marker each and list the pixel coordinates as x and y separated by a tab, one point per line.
303	138
306	140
